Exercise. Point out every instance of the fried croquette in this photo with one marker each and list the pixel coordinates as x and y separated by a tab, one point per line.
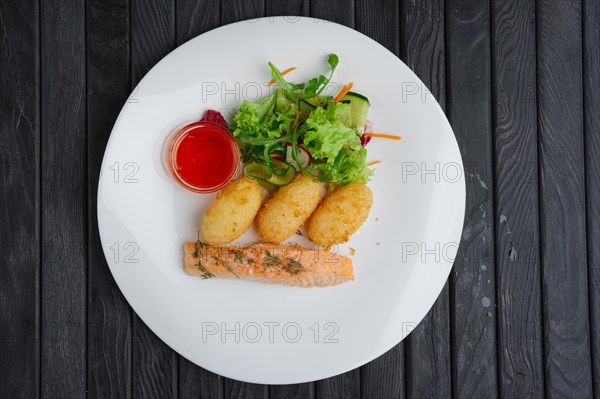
287	209
340	215
232	211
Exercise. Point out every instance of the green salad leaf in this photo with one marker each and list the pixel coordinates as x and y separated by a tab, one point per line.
281	122
327	135
315	86
310	89
296	121
349	166
249	118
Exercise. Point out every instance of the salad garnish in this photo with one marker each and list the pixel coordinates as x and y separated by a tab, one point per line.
383	136
343	92
299	128
284	72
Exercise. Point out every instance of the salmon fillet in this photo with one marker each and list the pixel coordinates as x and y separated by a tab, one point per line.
268	263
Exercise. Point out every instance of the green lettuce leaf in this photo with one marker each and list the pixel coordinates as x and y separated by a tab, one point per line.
249	118
278	123
259	119
327	135
349	166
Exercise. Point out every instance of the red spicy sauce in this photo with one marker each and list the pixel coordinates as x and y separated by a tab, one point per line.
203	157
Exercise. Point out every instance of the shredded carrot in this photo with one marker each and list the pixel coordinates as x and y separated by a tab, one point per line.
295	124
373	163
272	82
343	92
383	136
275	155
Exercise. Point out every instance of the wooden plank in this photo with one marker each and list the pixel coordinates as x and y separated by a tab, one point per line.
591	105
194	17
380	20
472	283
154	364
290	8
516	214
238	389
20	199
428	365
340	11
108	83
346	385
195	382
562	201
292	391
239	10
64	196
153	34
384	376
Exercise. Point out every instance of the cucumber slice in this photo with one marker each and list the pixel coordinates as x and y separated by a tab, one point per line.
281	174
281	103
258	171
319	101
356	95
360	108
344	113
306	107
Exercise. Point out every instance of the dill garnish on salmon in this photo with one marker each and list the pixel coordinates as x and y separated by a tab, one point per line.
271	264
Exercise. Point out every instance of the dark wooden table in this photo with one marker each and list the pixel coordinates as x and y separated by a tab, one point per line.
520	83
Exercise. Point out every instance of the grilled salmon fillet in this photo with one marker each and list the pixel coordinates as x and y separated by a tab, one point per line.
268	263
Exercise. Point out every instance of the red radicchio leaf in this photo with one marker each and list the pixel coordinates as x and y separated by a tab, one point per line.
215	117
364	139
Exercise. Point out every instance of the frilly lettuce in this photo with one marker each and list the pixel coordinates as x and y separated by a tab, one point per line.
327	135
259	119
265	128
349	166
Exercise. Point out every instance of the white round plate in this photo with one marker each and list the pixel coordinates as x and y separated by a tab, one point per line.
277	334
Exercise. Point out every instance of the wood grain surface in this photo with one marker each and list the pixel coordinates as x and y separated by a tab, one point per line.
20	199
591	112
516	213
473	282
562	200
520	82
64	214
